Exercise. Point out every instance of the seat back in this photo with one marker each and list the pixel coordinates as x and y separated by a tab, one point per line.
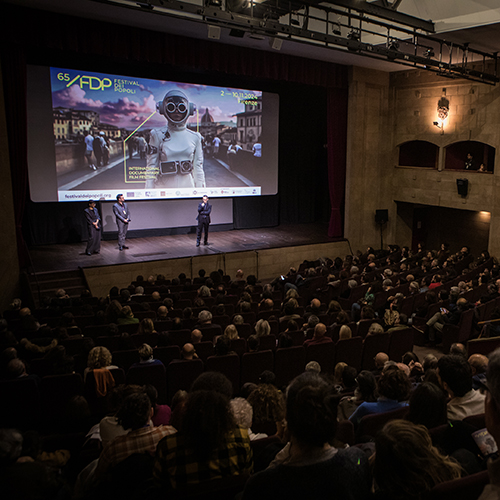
229	365
97	404
369	425
167	353
149	373
466	488
372	345
125	359
56	392
239	346
182	374
20	406
204	349
401	341
267	342
324	354
211	331
349	351
245	330
288	363
254	363
179	337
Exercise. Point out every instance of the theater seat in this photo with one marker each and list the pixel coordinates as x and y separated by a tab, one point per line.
465	488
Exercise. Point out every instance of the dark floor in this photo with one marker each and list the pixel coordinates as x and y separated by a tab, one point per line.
71	256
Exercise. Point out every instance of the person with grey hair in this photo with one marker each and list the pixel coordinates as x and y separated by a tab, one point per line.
204	317
313	366
492	417
243	414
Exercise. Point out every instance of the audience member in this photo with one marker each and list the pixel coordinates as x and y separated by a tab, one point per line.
456	379
406	464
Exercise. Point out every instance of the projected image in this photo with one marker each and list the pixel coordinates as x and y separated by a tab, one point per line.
159	139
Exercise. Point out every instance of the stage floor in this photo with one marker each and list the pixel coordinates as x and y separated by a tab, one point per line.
71	256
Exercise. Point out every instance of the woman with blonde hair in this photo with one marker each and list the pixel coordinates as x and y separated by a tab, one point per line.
345	332
262	328
406	463
231	332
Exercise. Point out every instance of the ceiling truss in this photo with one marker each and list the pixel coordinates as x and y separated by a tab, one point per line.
370	29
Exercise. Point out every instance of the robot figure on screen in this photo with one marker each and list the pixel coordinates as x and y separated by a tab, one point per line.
175	153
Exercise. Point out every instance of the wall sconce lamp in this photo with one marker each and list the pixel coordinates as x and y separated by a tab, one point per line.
443	109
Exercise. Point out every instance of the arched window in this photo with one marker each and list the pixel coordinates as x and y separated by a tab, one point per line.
470	155
418	154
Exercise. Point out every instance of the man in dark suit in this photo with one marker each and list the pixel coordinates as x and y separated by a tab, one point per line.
204	210
122	214
94	230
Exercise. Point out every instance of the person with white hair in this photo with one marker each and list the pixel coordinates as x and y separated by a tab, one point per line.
243	414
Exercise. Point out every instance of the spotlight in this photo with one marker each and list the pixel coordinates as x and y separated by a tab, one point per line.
393	44
438	124
294	22
354	34
429	53
336	29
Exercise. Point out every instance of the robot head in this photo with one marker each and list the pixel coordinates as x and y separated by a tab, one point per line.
176	107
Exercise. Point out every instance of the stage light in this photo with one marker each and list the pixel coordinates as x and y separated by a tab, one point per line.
393	44
354	35
429	53
336	29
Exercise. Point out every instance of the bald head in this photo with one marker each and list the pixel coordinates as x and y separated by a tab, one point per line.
162	312
319	331
315	304
196	336
404	368
478	363
380	360
188	351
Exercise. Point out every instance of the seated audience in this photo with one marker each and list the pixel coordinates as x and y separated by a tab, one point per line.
203	449
393	389
309	466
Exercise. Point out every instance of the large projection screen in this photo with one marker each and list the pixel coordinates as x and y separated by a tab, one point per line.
95	135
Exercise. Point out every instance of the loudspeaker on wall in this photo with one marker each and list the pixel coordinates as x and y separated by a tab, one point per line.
381	216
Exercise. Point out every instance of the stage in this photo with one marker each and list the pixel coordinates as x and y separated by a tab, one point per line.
265	252
72	256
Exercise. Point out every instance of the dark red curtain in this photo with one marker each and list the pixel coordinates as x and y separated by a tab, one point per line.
14	83
337	150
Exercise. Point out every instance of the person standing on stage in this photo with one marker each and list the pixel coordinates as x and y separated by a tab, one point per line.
122	214
204	210
93	228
